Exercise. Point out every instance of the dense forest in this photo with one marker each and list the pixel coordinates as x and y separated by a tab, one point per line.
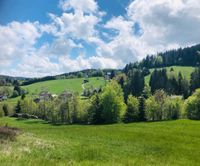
189	56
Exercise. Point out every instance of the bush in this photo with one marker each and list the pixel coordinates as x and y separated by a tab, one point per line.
173	108
6	109
1	112
192	106
152	109
162	107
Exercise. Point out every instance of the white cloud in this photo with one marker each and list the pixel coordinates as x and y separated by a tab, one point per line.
81	62
167	23
16	39
164	24
37	66
87	6
75	25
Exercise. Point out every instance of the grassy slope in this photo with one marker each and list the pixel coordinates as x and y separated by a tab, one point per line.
159	143
186	71
57	86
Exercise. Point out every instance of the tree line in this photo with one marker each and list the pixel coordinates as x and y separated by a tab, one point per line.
107	107
189	56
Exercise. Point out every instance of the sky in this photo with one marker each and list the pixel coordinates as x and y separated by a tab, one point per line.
49	37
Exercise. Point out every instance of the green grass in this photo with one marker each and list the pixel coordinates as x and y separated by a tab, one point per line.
57	86
186	72
158	143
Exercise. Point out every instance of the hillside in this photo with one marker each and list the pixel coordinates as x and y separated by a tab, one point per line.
159	143
186	72
57	86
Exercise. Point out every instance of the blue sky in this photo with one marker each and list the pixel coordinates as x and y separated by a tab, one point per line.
37	10
45	37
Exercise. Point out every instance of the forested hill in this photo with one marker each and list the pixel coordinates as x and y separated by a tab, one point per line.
189	56
78	74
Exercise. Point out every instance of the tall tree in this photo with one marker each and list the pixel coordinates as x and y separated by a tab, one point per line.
135	83
132	111
195	79
112	101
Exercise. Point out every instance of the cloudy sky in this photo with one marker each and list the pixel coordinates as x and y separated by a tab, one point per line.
47	37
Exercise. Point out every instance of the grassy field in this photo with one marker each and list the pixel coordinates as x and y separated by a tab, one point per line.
57	86
186	72
158	143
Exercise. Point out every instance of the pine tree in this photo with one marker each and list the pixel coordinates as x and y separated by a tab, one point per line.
142	109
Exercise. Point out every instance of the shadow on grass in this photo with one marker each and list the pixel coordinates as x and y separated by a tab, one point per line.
40	121
32	121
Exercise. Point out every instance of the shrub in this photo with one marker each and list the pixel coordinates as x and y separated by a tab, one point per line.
6	109
192	106
1	112
162	107
152	109
172	108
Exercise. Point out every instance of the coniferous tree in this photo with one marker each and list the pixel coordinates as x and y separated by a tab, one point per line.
142	109
135	83
180	80
195	79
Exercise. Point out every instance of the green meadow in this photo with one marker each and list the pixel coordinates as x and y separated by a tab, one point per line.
57	86
185	70
158	143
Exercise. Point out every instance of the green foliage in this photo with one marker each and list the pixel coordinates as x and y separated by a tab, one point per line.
17	89
112	101
68	109
185	70
193	106
1	111
132	110
146	93
152	109
142	109
195	79
6	90
158	61
135	83
173	84
95	112
162	107
15	94
121	79
173	109
5	109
